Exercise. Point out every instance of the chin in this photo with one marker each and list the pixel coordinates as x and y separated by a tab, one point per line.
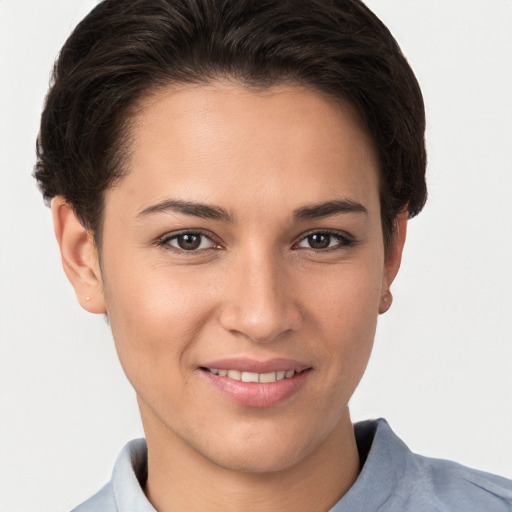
260	452
260	460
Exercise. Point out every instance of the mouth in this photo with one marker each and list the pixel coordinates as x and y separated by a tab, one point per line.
252	383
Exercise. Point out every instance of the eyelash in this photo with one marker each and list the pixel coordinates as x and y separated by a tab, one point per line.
343	239
164	242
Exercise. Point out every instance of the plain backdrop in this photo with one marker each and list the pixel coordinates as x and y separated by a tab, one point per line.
441	371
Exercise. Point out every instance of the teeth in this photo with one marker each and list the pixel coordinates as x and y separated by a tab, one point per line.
268	377
234	374
252	376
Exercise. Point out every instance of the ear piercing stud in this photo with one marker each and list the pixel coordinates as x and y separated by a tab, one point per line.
87	299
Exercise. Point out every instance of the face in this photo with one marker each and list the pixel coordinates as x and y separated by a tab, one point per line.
243	269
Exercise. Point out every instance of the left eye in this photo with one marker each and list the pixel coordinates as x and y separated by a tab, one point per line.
319	241
189	241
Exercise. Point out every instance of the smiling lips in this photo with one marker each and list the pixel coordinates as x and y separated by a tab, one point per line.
256	384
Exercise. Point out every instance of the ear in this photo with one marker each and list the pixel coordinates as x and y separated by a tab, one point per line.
79	256
393	260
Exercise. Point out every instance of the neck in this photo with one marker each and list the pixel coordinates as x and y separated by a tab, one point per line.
180	478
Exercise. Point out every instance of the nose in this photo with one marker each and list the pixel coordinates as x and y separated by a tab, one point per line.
259	303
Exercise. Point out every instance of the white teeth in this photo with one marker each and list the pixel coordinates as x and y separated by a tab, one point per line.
253	376
268	377
234	374
250	377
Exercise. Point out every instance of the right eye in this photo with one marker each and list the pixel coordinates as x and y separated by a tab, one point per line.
188	241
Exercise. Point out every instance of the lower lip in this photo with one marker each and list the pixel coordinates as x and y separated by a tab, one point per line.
256	394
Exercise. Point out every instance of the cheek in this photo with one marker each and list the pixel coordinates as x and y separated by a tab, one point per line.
346	312
155	316
348	298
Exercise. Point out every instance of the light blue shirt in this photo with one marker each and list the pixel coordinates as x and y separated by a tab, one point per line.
393	479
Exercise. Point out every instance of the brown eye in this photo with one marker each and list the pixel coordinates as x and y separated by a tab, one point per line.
319	240
322	240
189	241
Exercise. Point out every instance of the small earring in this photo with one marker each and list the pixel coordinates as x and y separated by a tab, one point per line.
87	299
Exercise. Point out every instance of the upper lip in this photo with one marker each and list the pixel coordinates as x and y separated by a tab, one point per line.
244	364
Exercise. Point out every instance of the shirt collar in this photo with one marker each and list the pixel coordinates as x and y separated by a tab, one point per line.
129	477
389	464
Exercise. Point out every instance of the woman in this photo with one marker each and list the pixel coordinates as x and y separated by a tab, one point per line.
232	187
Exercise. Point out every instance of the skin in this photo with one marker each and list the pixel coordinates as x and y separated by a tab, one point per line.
254	288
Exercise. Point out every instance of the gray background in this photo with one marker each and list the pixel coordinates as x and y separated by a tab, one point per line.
441	369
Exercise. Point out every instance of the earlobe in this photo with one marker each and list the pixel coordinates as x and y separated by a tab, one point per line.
393	260
79	256
386	300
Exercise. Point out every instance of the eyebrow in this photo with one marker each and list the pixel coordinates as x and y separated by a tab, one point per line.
205	211
318	211
201	210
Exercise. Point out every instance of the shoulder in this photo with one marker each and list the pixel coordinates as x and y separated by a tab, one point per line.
454	487
402	480
102	501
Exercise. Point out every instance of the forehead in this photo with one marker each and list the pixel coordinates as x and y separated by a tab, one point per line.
222	141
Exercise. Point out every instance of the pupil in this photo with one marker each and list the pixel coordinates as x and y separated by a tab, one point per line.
319	241
189	242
